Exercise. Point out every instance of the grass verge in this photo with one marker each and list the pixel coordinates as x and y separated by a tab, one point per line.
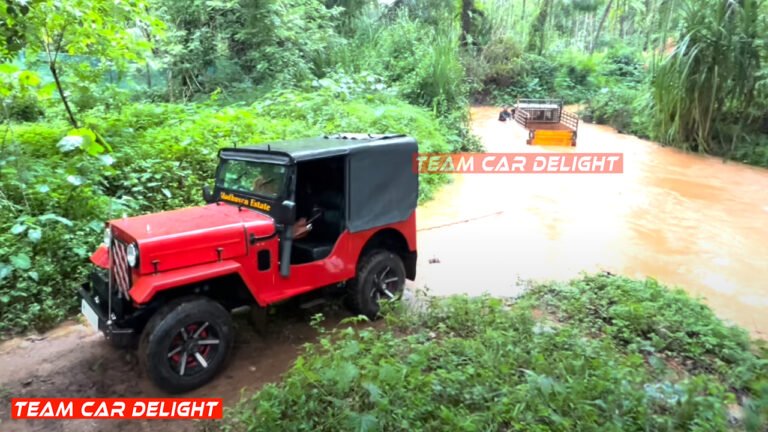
596	353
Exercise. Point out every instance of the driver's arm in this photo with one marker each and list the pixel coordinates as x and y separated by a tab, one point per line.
301	228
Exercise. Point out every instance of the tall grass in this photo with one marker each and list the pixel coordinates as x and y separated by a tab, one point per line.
422	62
704	89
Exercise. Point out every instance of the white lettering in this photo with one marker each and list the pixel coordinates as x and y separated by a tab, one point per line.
503	165
420	161
47	410
152	408
20	407
486	160
552	163
518	163
466	164
434	163
139	408
118	409
65	410
612	159
211	405
600	162
584	164
87	405
197	410
448	165
33	409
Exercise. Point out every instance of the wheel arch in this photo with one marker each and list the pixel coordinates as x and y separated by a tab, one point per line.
394	241
229	290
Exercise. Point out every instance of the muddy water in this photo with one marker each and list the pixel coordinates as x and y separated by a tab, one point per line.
686	220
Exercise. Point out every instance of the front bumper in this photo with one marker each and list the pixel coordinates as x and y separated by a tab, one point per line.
112	317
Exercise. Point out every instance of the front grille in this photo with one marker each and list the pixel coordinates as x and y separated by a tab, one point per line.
121	272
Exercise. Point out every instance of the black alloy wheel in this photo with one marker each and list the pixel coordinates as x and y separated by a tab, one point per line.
186	344
380	278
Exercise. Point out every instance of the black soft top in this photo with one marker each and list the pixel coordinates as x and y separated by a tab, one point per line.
382	182
305	149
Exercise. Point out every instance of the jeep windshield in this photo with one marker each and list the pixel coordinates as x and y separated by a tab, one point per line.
252	178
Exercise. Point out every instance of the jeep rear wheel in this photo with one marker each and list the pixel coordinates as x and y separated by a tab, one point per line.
186	344
380	278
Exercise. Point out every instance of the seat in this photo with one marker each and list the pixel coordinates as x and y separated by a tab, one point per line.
305	251
326	230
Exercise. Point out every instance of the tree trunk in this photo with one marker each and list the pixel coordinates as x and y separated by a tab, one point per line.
466	20
600	26
55	74
170	85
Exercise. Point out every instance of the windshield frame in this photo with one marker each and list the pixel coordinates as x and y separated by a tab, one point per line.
283	192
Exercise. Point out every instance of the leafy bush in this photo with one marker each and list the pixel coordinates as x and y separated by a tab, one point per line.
421	62
753	151
578	75
533	76
647	318
705	87
56	190
622	66
618	107
488	364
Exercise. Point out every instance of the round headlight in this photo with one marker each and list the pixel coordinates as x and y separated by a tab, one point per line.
132	255
108	237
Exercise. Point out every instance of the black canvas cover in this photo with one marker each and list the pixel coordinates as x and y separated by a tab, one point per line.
383	184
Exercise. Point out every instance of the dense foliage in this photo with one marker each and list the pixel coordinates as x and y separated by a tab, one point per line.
689	73
597	353
55	194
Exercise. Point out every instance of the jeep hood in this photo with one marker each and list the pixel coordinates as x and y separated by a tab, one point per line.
191	236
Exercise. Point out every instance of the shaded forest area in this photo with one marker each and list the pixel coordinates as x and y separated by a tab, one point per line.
117	108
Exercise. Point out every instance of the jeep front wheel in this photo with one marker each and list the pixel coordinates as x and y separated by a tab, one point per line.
186	343
380	277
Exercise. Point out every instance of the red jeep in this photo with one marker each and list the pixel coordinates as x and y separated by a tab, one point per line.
174	277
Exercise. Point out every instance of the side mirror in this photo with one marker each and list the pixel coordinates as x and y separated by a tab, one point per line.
289	210
207	194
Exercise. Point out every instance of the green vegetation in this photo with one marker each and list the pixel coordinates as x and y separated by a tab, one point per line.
688	73
127	119
597	353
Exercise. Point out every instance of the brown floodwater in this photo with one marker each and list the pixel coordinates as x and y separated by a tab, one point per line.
684	219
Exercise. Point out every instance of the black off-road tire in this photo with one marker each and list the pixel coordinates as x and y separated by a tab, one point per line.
365	291
163	335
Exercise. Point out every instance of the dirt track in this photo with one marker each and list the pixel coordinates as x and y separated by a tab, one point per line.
73	361
683	219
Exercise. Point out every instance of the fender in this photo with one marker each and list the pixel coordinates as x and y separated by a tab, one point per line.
146	286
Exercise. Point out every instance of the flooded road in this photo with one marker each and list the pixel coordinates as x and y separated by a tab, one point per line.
686	220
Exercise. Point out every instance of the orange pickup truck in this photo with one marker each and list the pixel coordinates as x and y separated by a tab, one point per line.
547	122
